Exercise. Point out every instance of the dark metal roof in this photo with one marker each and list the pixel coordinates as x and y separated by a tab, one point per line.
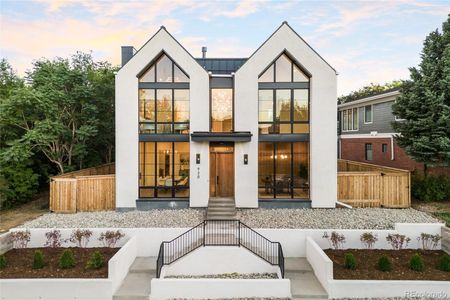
221	65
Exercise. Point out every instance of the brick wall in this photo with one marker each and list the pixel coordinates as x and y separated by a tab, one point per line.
354	149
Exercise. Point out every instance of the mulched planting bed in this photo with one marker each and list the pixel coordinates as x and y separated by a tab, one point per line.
20	263
367	260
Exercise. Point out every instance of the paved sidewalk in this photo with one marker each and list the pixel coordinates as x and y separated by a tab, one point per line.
304	284
136	285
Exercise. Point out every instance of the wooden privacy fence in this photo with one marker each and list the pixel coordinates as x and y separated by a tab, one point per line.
367	185
91	189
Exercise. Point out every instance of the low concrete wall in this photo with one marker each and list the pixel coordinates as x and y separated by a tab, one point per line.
446	239
5	243
219	260
220	288
72	288
370	288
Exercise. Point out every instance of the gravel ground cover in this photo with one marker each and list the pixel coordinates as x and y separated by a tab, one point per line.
358	218
227	276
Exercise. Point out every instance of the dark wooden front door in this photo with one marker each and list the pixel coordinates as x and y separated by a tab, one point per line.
221	171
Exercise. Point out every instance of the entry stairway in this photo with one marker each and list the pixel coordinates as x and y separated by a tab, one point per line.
221	209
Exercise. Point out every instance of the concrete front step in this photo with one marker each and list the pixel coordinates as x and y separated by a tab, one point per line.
136	285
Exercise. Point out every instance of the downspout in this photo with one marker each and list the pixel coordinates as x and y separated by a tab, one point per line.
343	204
392	148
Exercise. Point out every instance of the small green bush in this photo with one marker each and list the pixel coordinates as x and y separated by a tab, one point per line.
384	264
3	262
38	260
444	263
431	188
96	261
416	263
349	261
67	260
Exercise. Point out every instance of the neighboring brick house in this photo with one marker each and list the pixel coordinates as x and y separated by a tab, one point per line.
365	133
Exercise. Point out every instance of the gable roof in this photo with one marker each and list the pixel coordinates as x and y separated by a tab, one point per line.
285	23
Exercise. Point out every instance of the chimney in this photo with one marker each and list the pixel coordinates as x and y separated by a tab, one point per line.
127	54
204	49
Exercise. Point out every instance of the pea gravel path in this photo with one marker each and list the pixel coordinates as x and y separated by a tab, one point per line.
360	218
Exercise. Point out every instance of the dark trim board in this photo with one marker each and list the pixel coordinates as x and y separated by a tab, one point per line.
283	137
164	85
161	203
163	138
280	203
204	136
283	85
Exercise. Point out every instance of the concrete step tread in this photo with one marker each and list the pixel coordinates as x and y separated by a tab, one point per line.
143	264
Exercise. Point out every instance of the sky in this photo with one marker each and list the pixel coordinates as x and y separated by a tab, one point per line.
365	41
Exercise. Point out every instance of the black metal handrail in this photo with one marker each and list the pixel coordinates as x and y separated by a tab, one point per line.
220	233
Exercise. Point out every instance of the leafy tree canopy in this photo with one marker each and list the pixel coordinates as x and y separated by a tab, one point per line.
369	90
424	103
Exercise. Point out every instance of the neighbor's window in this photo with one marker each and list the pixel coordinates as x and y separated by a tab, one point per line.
283	170
349	120
164	110
368	151
368	114
221	110
163	169
384	148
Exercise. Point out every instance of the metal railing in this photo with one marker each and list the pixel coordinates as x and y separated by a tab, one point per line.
220	233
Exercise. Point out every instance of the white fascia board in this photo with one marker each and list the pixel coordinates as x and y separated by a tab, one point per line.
391	96
367	135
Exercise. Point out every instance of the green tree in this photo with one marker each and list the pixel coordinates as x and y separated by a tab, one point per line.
424	103
59	111
369	90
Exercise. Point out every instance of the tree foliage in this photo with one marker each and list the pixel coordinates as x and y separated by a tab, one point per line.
424	103
60	116
369	90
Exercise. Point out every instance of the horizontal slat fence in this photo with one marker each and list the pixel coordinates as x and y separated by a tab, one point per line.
367	185
91	189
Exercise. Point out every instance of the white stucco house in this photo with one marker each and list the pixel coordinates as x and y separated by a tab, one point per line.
257	131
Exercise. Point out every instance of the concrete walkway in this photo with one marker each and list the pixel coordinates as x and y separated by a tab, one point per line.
136	285
304	284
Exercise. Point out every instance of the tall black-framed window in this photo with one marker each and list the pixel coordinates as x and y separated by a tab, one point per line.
368	151
164	111
283	106
283	170
163	98
163	170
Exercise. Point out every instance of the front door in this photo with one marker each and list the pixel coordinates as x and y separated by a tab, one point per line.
221	170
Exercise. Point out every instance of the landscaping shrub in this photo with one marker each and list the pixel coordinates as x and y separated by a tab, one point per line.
429	241
80	237
368	239
20	239
336	240
96	261
397	241
431	188
67	260
444	263
38	260
349	261
110	238
3	262
416	263
384	264
53	239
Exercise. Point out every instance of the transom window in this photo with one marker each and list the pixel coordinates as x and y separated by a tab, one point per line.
164	70
283	70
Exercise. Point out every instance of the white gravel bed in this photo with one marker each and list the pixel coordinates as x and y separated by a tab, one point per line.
227	276
343	218
358	218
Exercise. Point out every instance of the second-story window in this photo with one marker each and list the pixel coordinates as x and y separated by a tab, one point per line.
349	119
368	114
164	99
283	99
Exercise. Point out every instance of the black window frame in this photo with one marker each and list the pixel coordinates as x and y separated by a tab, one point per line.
156	187
384	148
